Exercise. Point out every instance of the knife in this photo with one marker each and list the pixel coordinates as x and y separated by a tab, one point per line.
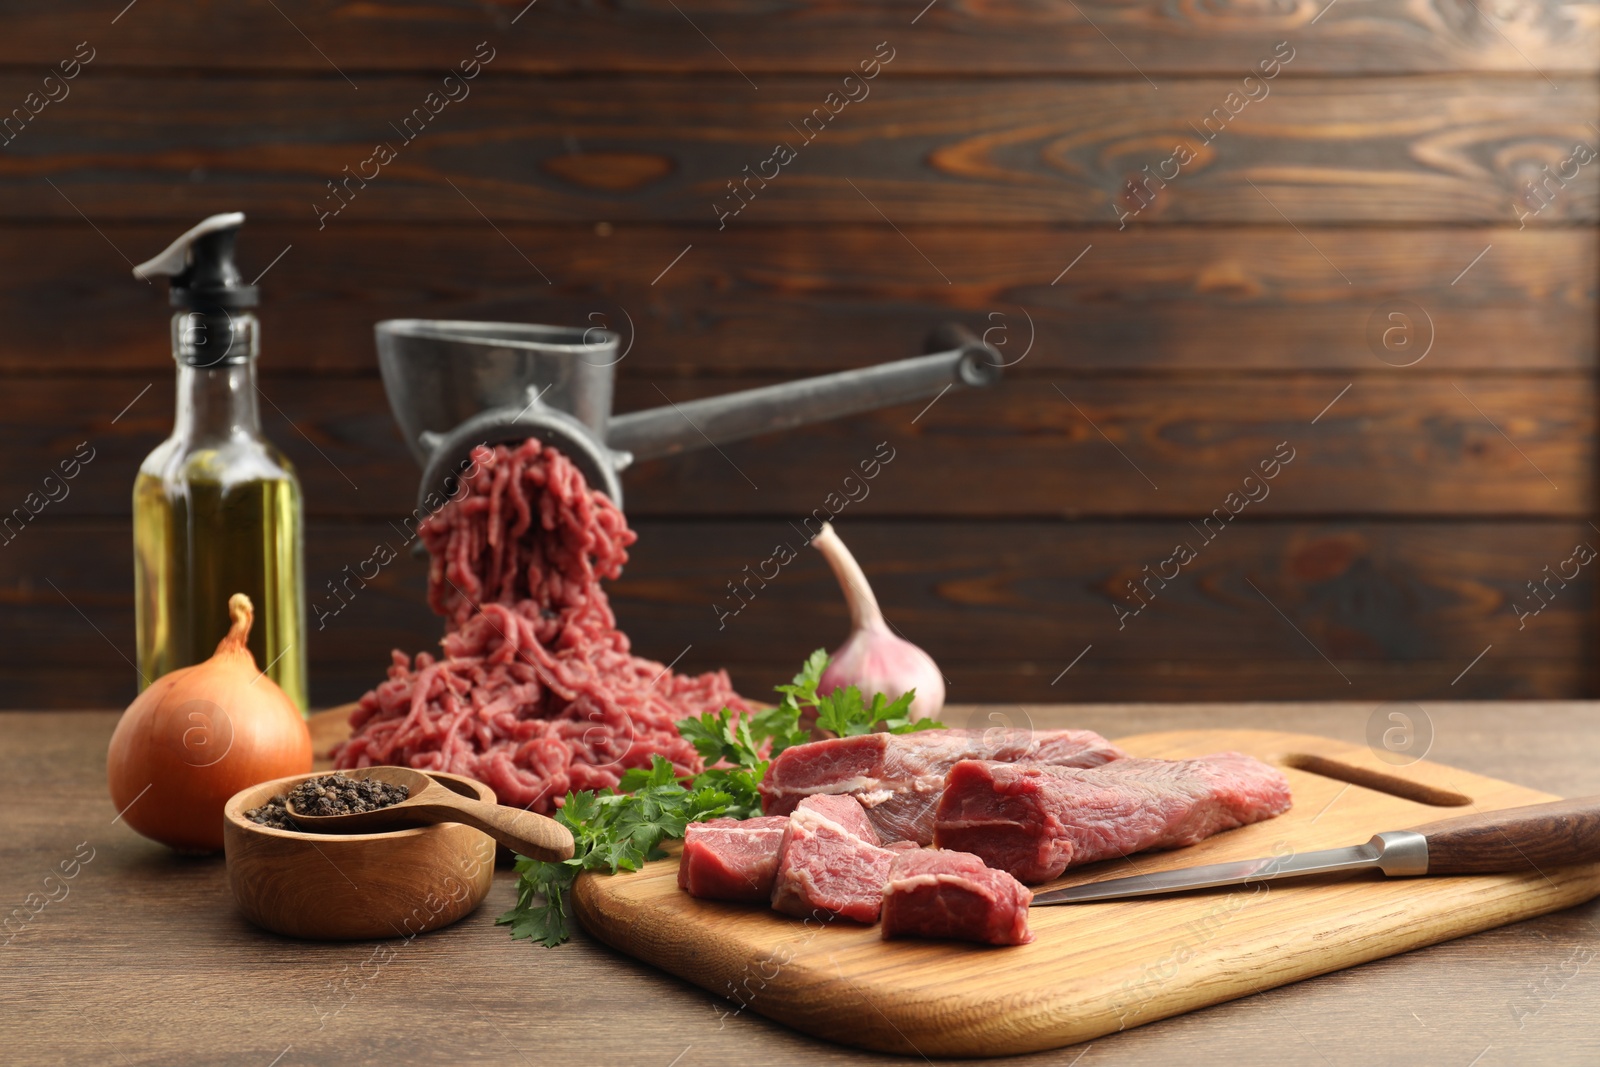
1557	834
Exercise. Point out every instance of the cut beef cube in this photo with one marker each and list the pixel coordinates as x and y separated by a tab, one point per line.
938	893
1036	821
731	859
828	864
899	776
844	810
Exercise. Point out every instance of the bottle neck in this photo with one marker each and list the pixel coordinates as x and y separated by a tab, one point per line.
216	391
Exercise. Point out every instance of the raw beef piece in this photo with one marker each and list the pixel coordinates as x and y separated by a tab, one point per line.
936	893
730	859
844	810
1037	821
899	776
830	863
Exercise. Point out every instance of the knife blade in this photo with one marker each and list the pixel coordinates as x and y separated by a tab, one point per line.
1397	852
1512	839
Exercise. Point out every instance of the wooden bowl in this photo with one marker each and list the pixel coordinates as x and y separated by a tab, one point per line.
340	887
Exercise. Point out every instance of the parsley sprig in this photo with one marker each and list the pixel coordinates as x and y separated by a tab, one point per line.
621	829
611	832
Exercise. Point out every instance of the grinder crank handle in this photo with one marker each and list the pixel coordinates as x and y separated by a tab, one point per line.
959	358
1557	834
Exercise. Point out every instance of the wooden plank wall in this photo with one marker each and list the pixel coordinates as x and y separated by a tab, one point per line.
1167	336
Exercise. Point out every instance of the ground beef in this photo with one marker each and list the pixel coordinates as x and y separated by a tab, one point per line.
537	692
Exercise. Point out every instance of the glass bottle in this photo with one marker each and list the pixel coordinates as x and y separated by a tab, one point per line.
217	511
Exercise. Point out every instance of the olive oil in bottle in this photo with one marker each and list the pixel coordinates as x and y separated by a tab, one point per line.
216	508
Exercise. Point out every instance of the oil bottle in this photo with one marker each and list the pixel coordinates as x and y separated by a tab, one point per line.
216	508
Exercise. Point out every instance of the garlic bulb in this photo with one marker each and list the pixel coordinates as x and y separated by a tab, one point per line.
873	658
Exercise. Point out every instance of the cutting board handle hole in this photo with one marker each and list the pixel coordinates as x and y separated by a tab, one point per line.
1368	778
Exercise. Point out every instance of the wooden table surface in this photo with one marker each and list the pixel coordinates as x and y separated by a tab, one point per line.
144	960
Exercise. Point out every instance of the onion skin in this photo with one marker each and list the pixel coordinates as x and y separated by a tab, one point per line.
197	736
873	658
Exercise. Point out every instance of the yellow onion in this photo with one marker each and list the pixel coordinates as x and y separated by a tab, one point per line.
200	734
873	658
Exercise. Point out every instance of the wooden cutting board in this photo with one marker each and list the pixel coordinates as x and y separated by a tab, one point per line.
1095	969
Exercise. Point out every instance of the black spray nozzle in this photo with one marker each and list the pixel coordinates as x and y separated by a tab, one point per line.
201	268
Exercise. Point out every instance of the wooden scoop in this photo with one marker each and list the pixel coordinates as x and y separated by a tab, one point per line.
521	831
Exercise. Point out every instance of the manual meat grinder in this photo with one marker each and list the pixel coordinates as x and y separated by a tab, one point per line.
456	385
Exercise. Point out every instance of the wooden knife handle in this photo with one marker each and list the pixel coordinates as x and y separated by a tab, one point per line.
1557	834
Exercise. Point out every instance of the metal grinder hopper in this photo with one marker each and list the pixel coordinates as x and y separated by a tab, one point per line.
455	385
